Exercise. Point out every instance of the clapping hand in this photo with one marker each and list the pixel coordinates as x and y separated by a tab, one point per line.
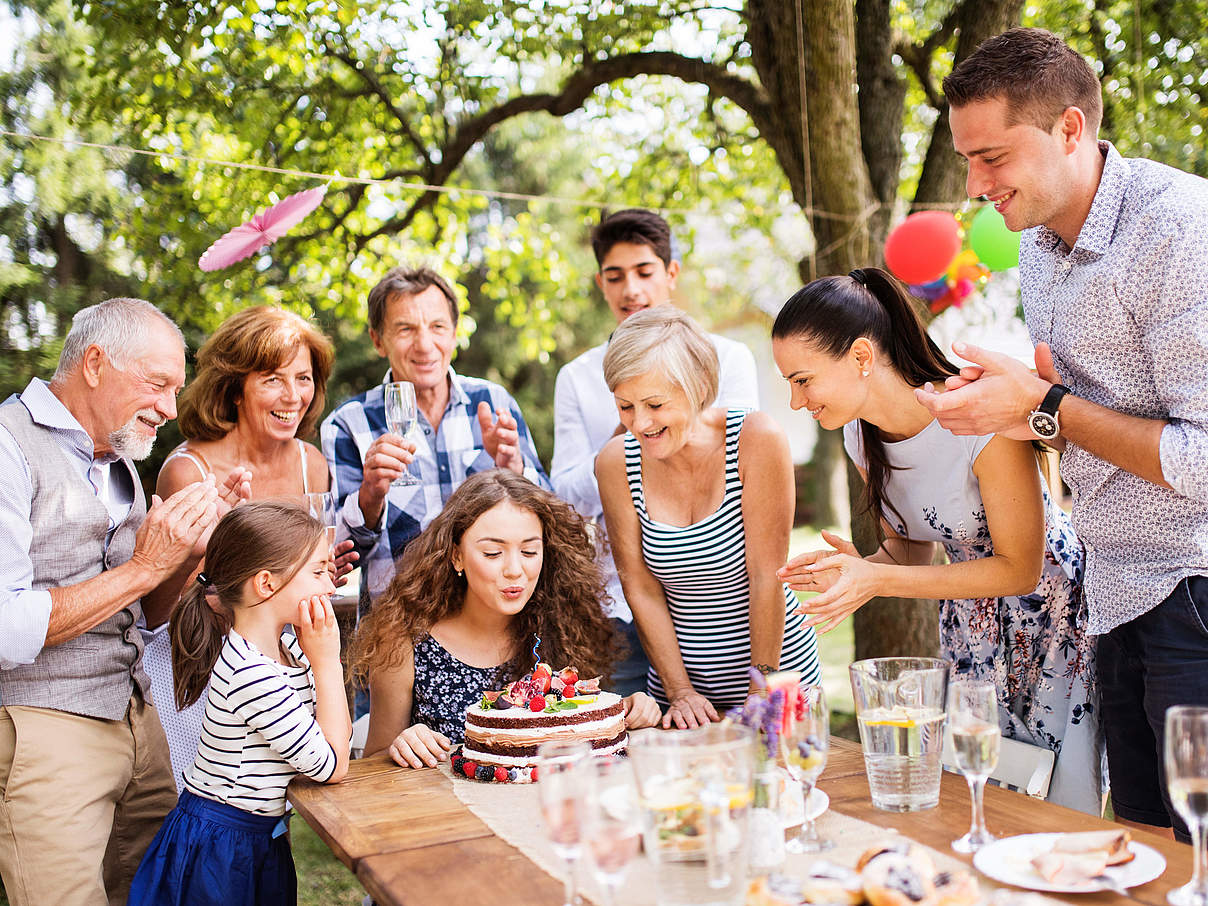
344	562
845	579
501	438
994	395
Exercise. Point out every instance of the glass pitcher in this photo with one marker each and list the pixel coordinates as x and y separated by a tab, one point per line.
696	791
900	713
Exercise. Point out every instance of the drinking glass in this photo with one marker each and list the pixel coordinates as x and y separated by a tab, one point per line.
401	414
564	781
973	719
1187	780
322	506
805	745
614	823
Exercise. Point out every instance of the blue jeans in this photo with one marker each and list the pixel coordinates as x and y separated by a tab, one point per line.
629	675
1147	665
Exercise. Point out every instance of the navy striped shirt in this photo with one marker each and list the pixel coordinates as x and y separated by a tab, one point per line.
703	570
259	729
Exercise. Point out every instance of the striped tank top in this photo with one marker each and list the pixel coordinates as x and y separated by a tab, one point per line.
703	571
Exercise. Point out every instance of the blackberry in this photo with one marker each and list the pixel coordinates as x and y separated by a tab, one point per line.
484	773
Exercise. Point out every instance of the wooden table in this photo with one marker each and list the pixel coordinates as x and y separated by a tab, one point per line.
411	842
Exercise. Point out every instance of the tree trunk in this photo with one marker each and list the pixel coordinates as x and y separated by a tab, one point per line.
888	627
943	176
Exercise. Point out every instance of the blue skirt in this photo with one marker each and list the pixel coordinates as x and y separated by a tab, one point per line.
211	854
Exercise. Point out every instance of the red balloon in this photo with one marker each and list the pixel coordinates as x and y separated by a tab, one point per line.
922	246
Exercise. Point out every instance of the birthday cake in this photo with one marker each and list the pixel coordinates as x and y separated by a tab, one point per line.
505	728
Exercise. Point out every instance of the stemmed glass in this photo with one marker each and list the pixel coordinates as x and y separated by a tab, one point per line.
564	781
322	506
614	823
805	745
973	719
401	414
1187	780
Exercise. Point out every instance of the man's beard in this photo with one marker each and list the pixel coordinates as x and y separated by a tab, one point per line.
129	442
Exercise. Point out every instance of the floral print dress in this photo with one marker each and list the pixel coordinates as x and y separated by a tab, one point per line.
1034	647
445	688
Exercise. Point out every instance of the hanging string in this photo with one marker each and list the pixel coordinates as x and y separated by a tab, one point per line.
808	210
807	170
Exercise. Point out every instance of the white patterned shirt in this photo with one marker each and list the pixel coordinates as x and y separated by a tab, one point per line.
1126	314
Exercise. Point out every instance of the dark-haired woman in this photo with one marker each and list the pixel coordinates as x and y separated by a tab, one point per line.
853	350
504	564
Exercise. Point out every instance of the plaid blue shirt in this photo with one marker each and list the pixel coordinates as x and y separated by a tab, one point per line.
444	458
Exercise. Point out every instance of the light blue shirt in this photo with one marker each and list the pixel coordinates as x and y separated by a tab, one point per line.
25	611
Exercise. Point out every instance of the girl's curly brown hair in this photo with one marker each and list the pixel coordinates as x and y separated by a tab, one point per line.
565	611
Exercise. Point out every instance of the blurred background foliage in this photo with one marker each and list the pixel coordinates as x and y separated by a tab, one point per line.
688	107
420	92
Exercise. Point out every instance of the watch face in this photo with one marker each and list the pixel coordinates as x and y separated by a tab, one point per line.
1043	425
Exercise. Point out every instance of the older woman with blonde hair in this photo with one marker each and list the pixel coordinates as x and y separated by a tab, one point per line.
699	505
259	388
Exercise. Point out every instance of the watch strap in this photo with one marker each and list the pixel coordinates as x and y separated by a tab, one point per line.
1053	399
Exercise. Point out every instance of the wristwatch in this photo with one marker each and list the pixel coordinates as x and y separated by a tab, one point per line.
1043	419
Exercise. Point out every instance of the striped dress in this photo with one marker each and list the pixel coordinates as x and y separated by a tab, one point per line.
259	730
703	571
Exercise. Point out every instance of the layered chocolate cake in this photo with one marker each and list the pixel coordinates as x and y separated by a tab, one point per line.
505	728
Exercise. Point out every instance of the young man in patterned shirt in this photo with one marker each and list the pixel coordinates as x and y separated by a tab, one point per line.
1114	282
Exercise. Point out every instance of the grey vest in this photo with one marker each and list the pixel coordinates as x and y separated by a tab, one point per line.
94	673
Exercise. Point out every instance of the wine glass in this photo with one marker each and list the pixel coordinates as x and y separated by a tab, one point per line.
322	506
401	413
564	781
973	719
1187	780
805	745
614	823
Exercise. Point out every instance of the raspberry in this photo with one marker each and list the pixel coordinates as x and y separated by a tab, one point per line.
468	768
533	774
501	774
537	703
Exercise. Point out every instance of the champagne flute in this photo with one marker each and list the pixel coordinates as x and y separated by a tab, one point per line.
1187	780
805	746
564	780
322	506
614	823
973	718
401	414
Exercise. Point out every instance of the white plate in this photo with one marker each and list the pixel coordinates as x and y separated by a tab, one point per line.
1009	861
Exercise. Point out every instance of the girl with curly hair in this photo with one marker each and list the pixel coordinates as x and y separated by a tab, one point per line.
504	564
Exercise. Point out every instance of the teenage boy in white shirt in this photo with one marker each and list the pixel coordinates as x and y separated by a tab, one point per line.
633	251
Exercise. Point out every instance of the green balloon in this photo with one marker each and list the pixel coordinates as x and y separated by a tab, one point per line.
996	246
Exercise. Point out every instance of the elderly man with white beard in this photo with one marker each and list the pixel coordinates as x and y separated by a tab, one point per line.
85	775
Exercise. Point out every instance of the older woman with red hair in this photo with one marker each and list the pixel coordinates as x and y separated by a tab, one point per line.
259	388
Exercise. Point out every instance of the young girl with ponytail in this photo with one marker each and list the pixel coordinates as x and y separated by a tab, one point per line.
1011	610
275	708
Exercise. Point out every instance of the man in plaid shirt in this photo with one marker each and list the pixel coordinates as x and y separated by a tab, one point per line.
465	425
